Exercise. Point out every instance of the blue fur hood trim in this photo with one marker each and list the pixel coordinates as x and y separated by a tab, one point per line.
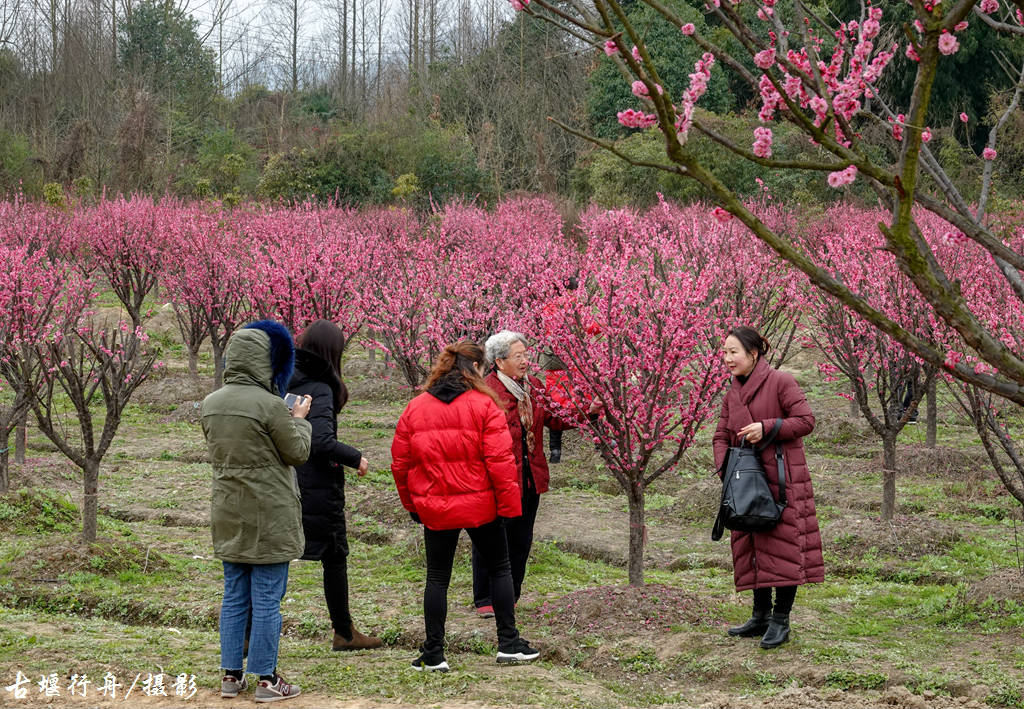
282	352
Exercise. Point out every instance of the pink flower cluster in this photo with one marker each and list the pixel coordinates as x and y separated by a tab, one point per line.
948	44
954	238
640	89
636	119
610	47
897	127
763	142
988	6
988	154
698	85
721	215
863	67
519	4
688	29
842	177
765	58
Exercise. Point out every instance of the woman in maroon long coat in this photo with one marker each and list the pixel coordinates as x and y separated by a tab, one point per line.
790	554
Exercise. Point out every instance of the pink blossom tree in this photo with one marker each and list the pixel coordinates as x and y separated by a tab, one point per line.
88	374
880	370
209	284
126	241
34	304
996	420
643	334
309	265
822	75
463	274
35	228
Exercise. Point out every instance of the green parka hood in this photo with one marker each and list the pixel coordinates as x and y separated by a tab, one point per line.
253	440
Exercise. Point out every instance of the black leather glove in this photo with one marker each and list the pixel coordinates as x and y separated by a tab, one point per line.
415	518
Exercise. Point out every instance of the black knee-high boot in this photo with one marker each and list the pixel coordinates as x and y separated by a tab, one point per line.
778	624
758	623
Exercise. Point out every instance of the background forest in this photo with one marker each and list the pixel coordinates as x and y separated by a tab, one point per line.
378	101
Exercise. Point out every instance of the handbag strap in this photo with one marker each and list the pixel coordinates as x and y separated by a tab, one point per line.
771	436
780	465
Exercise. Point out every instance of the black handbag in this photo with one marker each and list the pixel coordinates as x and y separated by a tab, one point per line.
747	502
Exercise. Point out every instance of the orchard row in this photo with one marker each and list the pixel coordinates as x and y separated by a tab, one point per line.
635	305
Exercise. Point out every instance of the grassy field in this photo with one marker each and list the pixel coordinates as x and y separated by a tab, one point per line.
925	611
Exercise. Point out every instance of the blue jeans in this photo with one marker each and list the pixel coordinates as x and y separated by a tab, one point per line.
256	589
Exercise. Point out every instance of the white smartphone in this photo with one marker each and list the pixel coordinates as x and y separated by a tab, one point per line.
291	399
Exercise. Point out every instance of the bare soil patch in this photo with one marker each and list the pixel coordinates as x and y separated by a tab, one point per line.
625	611
940	462
904	537
172	389
104	556
1002	586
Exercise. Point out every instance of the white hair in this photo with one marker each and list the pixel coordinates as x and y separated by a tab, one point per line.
498	344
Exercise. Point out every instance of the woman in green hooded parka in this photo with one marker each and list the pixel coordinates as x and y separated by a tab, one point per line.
256	516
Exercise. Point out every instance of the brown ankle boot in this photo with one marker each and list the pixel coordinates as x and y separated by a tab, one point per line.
358	641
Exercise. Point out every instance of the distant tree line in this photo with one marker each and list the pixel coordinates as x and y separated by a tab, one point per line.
370	102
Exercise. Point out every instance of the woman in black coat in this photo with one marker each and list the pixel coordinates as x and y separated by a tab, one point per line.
322	477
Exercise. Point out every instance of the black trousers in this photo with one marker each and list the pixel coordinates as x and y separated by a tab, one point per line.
554	439
440	548
336	592
519	532
784	597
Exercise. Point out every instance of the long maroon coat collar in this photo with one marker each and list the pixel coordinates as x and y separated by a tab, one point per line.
754	381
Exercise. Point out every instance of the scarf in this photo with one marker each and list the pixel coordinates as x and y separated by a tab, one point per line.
524	404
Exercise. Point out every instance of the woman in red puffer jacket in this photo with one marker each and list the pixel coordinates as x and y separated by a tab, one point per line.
453	465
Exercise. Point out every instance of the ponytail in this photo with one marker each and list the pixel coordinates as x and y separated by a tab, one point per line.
751	340
458	360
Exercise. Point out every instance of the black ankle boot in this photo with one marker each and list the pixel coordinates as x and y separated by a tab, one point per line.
556	455
778	631
753	628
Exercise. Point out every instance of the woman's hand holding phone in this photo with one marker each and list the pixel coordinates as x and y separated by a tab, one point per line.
301	408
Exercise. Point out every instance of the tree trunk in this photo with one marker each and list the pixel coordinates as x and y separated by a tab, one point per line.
5	477
21	440
295	46
854	406
193	363
90	502
889	477
637	534
931	414
218	366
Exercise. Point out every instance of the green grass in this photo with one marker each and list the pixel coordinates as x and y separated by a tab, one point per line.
890	615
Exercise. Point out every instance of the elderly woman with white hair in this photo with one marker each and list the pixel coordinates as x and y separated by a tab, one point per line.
507	359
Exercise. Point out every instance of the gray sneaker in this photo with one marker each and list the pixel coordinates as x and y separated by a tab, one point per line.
268	691
230	687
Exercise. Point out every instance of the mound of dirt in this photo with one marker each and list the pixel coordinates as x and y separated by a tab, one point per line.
378	389
1002	586
185	412
842	431
621	611
905	537
172	389
38	510
104	556
921	461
